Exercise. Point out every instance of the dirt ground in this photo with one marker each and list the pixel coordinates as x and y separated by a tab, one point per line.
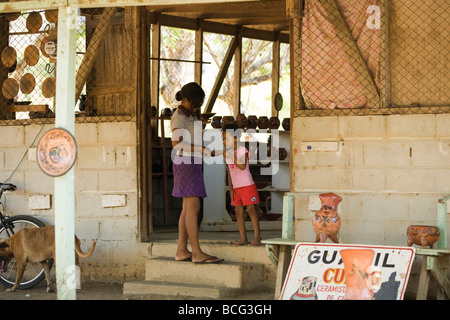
103	291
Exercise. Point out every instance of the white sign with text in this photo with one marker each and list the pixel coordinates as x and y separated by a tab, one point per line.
317	272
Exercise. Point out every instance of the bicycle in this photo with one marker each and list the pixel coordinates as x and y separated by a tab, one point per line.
34	273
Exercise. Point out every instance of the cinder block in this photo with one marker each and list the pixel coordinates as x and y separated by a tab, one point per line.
362	127
125	157
406	126
117	180
97	157
381	154
442	125
117	133
39	202
315	128
86	134
15	136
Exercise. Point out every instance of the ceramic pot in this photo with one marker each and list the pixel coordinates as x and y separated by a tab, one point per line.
281	153
286	124
252	122
423	235
227	120
326	221
241	121
153	111
216	122
263	122
166	113
357	280
274	123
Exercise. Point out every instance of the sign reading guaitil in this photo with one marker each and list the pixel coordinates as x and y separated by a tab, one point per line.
317	272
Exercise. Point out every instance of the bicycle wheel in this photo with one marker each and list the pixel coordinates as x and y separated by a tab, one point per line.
34	273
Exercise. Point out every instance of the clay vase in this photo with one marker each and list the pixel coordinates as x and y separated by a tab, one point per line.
227	120
286	124
274	123
241	121
263	122
326	221
423	235
216	122
357	280
166	113
252	122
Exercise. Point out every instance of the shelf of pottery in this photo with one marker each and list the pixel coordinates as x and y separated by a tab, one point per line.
271	173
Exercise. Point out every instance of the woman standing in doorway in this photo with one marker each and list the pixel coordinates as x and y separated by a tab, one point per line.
187	171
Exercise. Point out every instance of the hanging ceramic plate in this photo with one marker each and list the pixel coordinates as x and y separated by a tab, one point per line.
56	152
31	55
51	15
34	22
10	88
27	83
49	87
9	56
13	16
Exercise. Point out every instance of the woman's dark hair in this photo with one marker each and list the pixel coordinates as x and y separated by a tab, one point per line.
193	92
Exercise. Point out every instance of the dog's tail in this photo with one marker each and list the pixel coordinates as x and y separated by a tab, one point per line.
81	253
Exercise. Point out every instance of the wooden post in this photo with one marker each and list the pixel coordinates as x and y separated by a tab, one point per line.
275	72
64	185
237	76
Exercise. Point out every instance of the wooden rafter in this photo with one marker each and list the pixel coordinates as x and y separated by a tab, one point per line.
222	73
92	49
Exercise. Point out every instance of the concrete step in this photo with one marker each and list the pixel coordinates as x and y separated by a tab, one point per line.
169	290
236	275
223	250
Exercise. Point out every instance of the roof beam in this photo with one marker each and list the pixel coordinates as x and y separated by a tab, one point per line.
6	7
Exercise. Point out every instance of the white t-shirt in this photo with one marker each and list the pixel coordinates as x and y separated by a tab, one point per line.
192	131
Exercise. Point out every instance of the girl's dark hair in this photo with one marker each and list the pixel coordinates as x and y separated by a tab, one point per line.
191	91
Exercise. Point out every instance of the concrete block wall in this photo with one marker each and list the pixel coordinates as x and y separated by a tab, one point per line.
105	193
390	171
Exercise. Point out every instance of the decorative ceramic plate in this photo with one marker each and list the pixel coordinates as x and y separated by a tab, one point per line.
56	152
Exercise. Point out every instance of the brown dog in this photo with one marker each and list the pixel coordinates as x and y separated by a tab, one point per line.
35	245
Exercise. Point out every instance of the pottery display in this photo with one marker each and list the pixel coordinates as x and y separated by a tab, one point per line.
263	122
424	236
286	124
281	152
216	122
357	279
274	123
326	221
241	121
227	120
252	122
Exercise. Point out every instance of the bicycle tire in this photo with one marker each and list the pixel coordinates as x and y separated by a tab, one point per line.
34	273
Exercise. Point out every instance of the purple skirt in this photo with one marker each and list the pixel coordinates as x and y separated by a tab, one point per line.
188	178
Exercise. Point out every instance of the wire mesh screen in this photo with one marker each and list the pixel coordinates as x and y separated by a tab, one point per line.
375	57
105	66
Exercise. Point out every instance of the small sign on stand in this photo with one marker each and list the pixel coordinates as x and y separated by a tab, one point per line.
317	272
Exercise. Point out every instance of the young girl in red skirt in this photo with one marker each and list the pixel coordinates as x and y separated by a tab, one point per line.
243	190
